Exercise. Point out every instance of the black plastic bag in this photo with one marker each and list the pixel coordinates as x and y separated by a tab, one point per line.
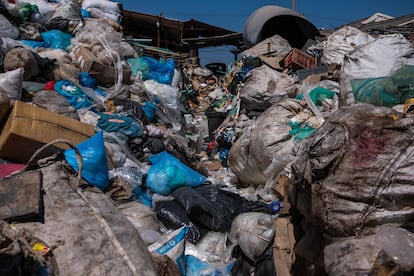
215	208
202	210
262	265
173	216
233	203
242	266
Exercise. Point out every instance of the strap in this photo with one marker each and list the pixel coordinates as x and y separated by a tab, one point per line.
37	154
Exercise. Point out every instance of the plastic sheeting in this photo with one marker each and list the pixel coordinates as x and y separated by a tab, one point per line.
366	255
270	20
275	43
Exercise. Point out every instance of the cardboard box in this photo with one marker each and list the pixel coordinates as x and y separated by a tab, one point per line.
84	58
29	127
107	75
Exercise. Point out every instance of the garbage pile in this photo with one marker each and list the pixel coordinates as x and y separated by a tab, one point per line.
119	163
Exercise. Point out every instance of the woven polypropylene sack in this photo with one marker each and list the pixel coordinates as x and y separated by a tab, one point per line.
90	236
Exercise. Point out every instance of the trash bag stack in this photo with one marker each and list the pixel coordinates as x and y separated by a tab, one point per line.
270	165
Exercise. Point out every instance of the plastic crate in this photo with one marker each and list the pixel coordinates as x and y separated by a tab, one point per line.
297	59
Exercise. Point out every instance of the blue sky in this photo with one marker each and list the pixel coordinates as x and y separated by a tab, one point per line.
232	14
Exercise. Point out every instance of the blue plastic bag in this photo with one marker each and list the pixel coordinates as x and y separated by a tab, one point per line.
35	44
85	79
73	94
56	39
150	109
152	69
167	173
95	167
85	13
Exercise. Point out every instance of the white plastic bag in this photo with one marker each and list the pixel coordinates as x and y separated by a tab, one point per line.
253	232
170	100
7	29
11	83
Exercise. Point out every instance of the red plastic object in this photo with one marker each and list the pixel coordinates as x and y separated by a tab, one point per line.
7	169
50	85
297	59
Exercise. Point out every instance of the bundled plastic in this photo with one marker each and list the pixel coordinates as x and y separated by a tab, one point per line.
356	172
253	232
340	43
381	57
167	173
370	254
102	40
264	150
105	5
132	108
133	175
263	87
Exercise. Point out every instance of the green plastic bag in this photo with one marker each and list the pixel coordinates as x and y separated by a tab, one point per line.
386	91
